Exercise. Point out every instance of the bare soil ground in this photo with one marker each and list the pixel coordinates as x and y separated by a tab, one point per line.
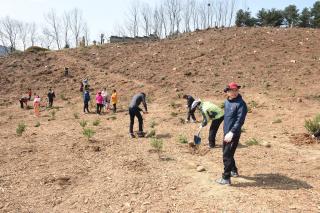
54	168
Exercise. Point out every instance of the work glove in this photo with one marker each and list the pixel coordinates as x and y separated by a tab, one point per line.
228	137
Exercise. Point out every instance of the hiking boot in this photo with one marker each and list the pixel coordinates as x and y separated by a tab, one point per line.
131	135
141	134
211	147
234	174
222	181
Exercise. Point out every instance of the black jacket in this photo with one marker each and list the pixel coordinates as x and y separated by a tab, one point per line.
51	95
190	100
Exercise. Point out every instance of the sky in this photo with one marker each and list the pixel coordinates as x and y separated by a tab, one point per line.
104	15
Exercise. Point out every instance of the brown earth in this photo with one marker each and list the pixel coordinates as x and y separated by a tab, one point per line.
53	168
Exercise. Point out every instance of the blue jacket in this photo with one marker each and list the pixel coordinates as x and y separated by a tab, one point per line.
86	96
235	112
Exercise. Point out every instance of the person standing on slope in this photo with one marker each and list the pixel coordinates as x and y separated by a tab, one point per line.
235	112
51	96
86	99
99	101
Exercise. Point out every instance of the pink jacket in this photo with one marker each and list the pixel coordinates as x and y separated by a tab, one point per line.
99	99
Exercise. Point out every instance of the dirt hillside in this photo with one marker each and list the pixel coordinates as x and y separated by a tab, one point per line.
52	167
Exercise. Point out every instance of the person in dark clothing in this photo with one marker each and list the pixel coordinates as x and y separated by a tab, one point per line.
134	111
235	111
86	99
191	111
23	100
51	96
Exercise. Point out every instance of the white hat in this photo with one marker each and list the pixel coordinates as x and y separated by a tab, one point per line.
195	104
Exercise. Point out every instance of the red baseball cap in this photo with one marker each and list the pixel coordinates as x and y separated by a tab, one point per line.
232	85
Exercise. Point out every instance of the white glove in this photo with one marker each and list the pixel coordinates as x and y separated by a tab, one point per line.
228	137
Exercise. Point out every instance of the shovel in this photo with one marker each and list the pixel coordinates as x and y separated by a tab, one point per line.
196	138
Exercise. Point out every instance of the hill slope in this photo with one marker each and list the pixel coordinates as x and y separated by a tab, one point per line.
53	168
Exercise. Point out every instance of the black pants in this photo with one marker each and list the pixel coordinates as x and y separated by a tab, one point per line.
228	157
213	131
135	112
191	114
21	103
86	107
114	108
99	108
50	102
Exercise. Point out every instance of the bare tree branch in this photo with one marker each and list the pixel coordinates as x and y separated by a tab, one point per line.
54	28
76	21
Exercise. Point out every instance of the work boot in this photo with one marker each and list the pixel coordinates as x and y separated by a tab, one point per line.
234	174
223	181
131	135
141	134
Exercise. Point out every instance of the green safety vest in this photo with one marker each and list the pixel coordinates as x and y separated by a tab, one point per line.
210	111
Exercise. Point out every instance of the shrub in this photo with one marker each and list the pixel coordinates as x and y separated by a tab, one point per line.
88	133
173	104
277	121
20	129
153	124
252	142
96	122
174	114
76	115
53	115
113	117
157	145
151	134
313	125
35	49
37	124
63	97
183	139
83	123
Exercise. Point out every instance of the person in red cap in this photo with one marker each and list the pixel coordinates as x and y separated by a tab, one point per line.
235	111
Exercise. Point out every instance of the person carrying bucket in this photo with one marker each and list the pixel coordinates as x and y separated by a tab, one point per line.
210	112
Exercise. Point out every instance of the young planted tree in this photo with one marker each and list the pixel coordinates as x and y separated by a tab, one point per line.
157	145
88	133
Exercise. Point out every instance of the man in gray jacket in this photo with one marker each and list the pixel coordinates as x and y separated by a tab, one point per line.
134	111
